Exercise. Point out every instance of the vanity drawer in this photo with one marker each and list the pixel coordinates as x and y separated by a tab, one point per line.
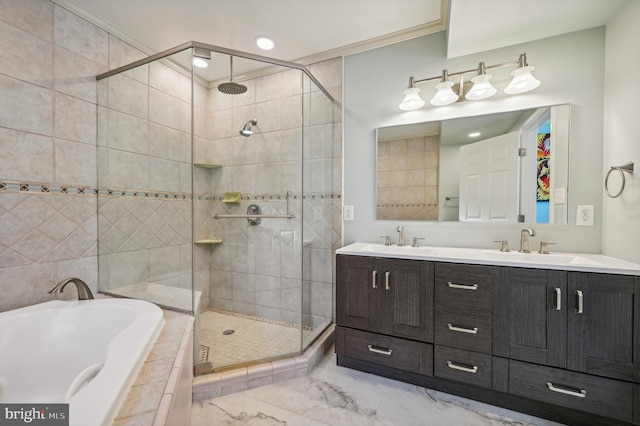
463	366
463	286
389	351
464	330
596	395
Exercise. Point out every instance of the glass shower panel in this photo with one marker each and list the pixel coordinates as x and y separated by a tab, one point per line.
318	211
145	182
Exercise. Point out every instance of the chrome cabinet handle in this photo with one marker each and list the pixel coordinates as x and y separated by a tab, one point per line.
382	351
462	286
374	279
467	369
580	393
558	293
387	275
579	302
472	330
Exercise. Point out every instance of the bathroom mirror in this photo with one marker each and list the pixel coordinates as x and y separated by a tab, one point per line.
509	167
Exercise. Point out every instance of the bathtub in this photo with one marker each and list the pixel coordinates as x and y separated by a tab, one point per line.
84	353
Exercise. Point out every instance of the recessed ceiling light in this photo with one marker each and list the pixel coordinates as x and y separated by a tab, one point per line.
474	134
200	62
264	42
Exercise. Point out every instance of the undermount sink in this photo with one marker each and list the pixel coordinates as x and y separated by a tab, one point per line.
552	258
379	248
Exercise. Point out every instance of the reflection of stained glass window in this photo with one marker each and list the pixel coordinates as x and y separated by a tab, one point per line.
544	155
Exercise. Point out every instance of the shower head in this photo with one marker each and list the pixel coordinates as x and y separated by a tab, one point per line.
246	130
230	87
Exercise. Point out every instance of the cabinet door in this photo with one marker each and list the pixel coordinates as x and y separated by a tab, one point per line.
356	278
530	315
603	335
404	299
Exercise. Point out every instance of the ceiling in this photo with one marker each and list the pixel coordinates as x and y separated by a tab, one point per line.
308	31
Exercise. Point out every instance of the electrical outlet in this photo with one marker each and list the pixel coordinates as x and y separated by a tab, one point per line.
348	212
584	215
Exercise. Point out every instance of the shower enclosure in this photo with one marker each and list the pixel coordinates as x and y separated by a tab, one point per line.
216	196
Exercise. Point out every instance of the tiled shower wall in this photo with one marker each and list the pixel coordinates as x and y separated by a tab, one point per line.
296	147
49	58
144	154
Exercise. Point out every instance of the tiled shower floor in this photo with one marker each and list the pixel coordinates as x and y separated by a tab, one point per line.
252	338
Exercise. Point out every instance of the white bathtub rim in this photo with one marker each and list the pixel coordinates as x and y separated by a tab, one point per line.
126	353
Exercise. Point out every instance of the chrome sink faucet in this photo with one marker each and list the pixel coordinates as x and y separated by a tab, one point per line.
400	230
525	233
84	292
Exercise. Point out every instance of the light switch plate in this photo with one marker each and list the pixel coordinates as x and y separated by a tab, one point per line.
348	213
559	196
584	215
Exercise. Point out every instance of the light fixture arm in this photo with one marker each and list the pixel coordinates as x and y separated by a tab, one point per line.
522	61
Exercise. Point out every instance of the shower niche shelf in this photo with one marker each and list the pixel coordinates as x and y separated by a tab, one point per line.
211	241
208	165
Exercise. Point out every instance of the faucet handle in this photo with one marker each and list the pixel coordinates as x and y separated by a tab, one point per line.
387	240
544	247
504	245
416	241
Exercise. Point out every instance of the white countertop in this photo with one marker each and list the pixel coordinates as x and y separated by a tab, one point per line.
556	260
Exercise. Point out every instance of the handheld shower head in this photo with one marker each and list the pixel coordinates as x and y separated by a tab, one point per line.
246	129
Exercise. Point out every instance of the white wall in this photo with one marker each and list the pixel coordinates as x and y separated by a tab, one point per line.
621	227
571	68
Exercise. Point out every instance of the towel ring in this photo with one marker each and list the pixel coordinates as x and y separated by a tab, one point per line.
628	167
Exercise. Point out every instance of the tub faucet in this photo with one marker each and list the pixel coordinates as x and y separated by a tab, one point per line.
84	292
524	239
400	230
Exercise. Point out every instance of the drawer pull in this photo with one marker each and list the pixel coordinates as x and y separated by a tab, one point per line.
387	275
466	368
378	350
470	330
558	293
374	278
580	393
462	286
579	302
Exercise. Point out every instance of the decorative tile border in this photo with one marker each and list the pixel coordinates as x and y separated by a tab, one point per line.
408	205
40	188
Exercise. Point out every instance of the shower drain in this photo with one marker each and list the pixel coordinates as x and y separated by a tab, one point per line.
228	332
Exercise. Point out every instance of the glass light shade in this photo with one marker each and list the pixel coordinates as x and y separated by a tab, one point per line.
522	81
444	95
200	62
412	100
481	88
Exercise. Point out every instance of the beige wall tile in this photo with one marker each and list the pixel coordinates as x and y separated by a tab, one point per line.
74	75
25	56
25	156
75	119
26	107
75	163
80	36
34	16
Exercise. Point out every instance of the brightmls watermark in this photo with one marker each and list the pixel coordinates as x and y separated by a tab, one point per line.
34	414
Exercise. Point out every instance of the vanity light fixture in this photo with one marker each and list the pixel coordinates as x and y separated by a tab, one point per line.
522	81
412	99
444	94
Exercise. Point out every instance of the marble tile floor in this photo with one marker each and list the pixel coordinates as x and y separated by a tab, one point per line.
338	396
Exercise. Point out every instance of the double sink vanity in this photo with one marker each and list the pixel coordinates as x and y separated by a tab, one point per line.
553	335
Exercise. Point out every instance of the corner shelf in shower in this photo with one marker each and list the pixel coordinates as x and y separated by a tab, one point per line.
211	241
208	165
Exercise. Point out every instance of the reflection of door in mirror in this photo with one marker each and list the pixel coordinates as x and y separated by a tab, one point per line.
489	180
407	179
545	139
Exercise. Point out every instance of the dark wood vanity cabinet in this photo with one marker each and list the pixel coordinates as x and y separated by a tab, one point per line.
579	321
384	312
386	296
558	344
